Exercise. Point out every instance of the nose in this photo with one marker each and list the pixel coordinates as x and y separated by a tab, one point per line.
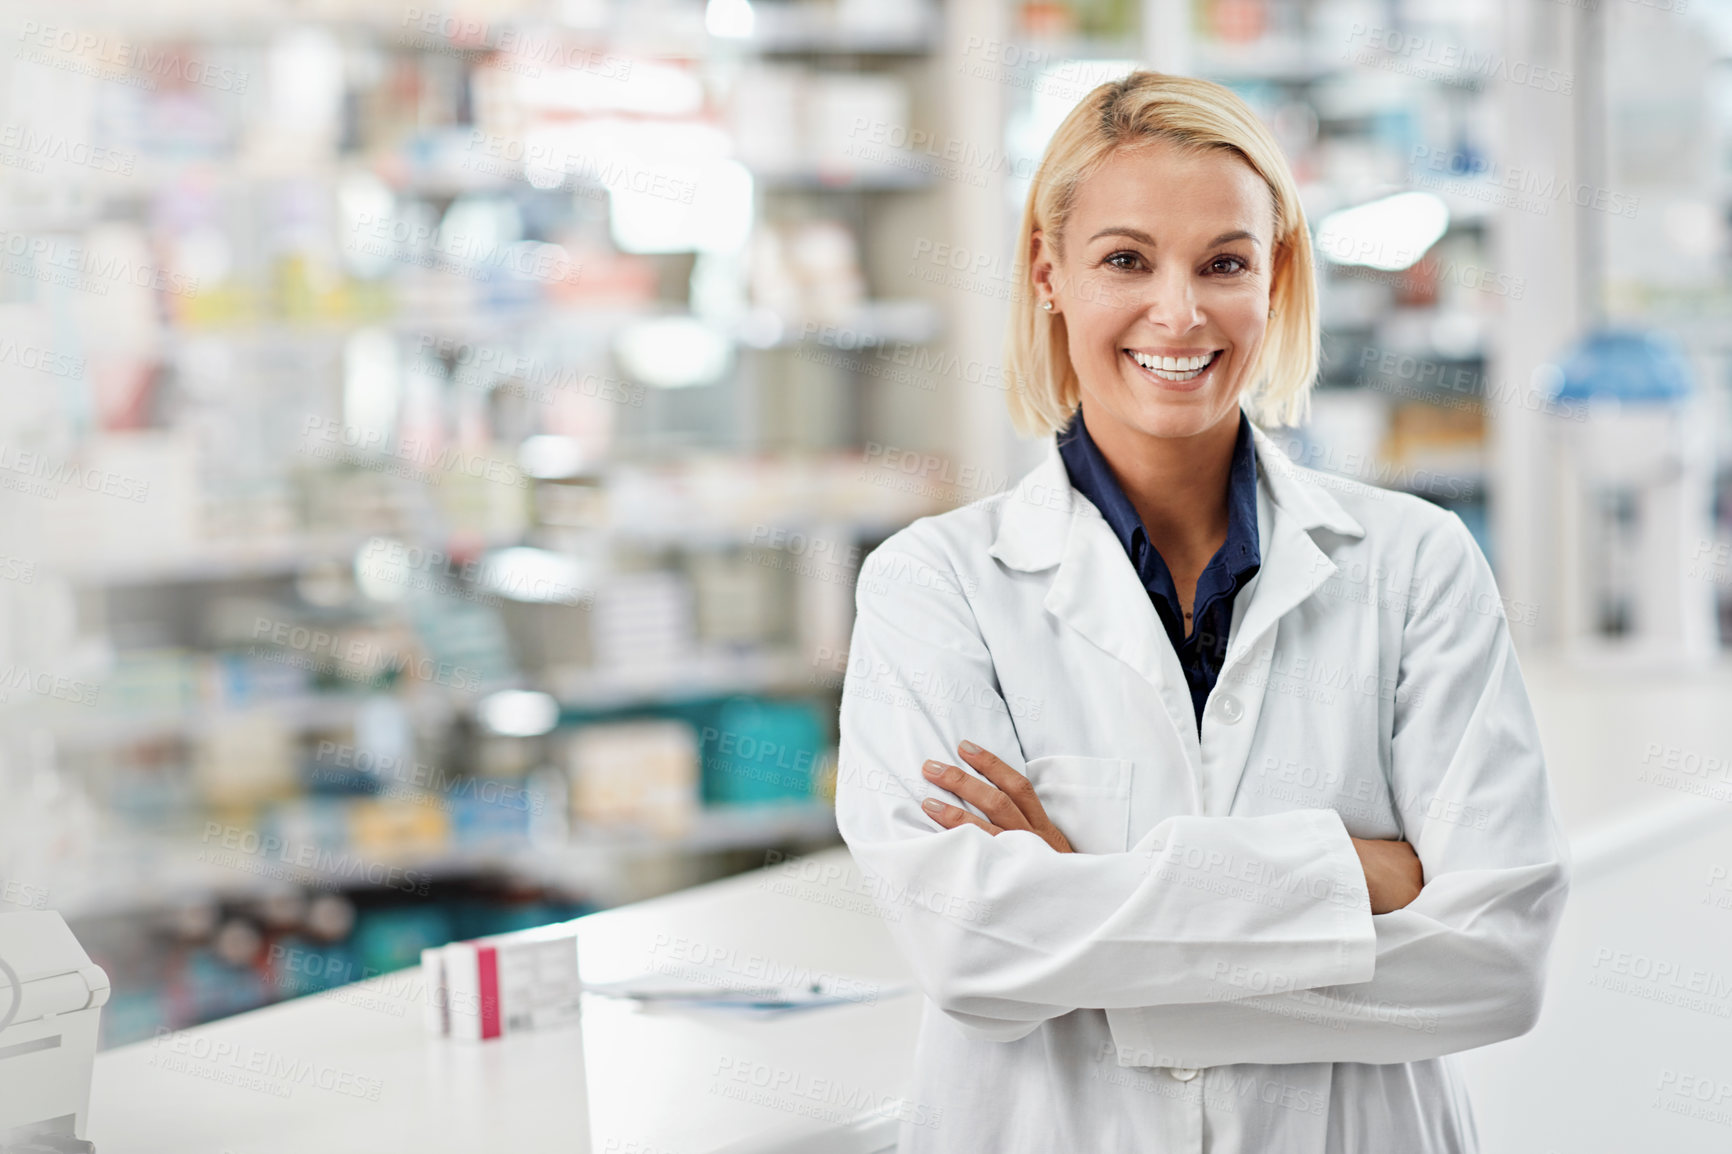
1172	300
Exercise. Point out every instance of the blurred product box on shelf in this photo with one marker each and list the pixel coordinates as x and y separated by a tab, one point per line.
397	830
793	123
150	791
156	680
483	492
497	815
235	680
471	810
643	621
114	497
578	506
764	117
856	124
505	984
1346	433
743	598
1446	443
762	751
635	773
243	758
339	769
352	500
549	637
809	270
465	643
311	825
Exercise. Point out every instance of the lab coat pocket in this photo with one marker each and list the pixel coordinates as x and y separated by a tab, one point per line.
1088	798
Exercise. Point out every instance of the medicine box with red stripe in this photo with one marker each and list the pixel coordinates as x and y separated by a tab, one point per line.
490	987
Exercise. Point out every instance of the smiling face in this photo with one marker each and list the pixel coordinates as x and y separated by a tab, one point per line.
1163	287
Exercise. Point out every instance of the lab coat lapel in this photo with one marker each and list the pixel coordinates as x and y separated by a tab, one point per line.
1046	524
1289	507
1096	592
1095	589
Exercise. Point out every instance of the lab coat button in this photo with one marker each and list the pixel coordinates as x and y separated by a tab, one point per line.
1230	709
1183	1073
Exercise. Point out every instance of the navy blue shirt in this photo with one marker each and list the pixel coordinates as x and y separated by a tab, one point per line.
1234	564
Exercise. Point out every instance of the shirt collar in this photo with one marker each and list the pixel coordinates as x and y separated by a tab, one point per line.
1091	476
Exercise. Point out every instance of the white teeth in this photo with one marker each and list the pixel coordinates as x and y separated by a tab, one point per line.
1174	368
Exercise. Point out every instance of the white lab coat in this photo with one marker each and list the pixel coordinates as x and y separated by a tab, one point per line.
1205	973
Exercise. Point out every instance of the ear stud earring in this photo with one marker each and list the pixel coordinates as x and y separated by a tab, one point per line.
1047	305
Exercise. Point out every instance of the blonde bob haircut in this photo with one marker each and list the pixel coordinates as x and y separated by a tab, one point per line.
1040	383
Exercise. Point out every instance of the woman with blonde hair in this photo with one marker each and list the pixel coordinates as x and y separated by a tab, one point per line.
1200	790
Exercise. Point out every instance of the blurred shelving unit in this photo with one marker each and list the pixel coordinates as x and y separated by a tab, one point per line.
1665	259
439	505
1386	108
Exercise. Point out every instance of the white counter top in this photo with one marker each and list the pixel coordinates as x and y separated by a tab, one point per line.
353	1069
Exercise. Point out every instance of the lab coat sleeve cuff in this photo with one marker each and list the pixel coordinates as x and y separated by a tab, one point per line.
1352	902
1343	952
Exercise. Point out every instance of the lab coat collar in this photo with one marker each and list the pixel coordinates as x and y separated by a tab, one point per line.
1294	493
1037	519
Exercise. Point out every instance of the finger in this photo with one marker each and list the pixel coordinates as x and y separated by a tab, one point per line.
950	816
982	795
1009	782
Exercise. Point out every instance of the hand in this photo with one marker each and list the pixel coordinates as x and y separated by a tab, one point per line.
1393	873
1008	800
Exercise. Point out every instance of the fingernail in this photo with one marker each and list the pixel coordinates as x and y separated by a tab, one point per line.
932	769
932	805
970	747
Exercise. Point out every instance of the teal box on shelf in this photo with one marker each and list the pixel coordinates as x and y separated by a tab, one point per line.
761	751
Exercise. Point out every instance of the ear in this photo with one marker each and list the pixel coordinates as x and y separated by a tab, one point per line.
1040	261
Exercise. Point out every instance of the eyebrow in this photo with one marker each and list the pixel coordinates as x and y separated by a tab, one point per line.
1142	237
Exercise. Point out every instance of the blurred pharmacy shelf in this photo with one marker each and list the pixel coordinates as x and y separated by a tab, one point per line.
501	412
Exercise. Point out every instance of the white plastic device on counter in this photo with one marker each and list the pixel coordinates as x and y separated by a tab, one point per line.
51	999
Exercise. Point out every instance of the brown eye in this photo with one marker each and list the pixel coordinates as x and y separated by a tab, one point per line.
1227	264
